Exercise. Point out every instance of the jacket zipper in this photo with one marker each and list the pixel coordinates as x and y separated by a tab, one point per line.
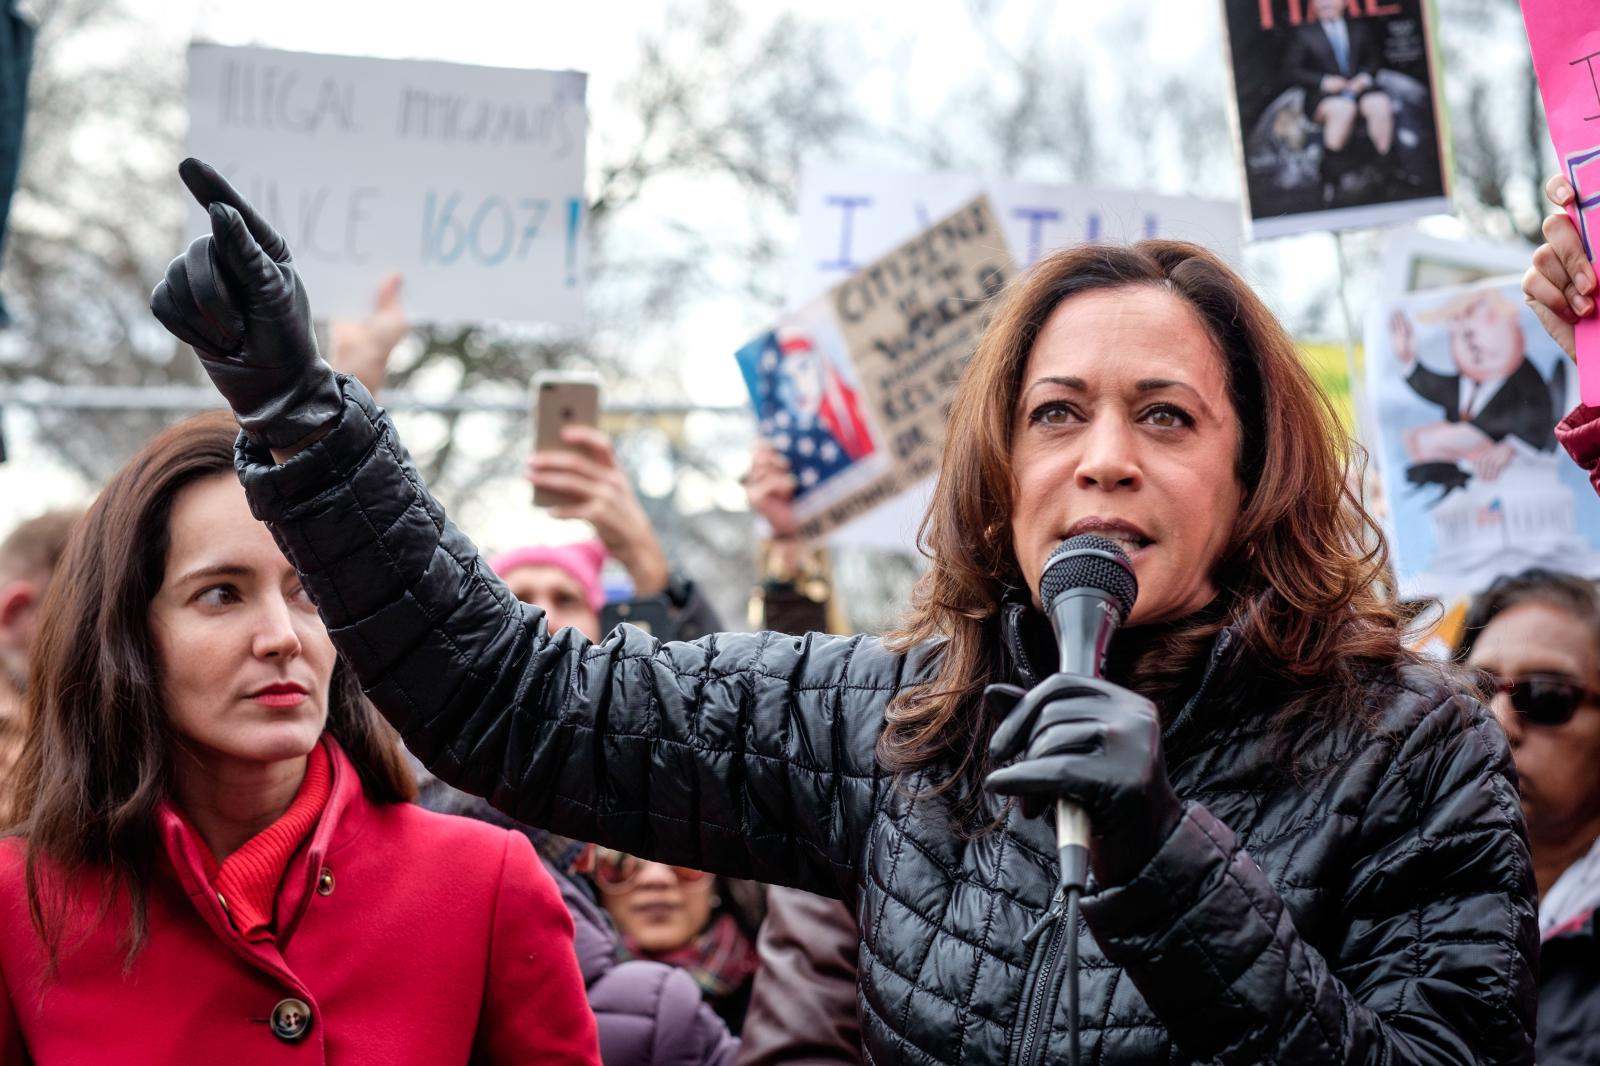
1037	1007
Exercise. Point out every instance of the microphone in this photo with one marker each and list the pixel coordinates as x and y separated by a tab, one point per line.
1087	589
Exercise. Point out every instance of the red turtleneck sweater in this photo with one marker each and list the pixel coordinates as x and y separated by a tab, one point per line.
247	881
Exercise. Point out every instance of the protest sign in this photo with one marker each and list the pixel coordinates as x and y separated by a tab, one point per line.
1465	388
850	215
1336	113
1565	38
854	387
1414	261
466	180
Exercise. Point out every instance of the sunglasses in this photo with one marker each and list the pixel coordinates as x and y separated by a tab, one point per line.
616	871
1541	699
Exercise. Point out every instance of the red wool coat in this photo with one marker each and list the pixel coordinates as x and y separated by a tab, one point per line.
404	937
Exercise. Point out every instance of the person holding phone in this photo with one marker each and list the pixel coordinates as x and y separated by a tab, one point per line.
575	473
582	479
589	485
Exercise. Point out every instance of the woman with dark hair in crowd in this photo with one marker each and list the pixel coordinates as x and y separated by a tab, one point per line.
215	857
1535	638
1307	845
686	918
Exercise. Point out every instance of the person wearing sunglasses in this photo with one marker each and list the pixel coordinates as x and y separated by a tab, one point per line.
1534	641
686	918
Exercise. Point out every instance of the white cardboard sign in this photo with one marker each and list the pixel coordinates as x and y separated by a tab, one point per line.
851	215
466	180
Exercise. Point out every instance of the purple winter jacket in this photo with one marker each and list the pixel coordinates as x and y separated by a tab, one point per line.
649	1013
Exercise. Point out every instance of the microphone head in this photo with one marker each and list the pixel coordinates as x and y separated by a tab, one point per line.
1088	561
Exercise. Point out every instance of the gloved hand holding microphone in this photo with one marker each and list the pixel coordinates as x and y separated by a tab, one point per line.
1092	746
1098	745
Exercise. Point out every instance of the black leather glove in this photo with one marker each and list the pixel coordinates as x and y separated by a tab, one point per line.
235	298
1097	745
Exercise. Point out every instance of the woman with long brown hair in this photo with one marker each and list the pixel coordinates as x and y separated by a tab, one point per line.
1307	846
214	858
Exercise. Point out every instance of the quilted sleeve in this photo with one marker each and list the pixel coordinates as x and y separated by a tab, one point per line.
1436	959
748	755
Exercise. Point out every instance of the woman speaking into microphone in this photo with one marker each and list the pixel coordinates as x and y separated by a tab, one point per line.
1307	846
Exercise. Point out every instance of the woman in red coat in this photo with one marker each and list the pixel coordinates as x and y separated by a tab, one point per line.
214	860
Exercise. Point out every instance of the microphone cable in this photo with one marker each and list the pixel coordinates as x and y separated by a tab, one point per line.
1072	975
1064	910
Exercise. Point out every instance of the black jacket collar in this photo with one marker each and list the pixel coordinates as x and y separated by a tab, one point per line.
1031	656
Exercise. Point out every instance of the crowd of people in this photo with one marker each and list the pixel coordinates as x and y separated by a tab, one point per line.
286	763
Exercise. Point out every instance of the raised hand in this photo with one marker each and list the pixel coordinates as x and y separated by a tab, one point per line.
1560	285
769	488
235	298
363	347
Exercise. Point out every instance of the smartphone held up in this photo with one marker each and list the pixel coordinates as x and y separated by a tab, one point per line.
561	399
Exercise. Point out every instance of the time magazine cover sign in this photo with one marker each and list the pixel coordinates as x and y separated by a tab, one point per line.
1337	113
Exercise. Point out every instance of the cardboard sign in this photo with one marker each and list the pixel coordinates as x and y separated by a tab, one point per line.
466	180
1335	113
1465	387
850	215
855	387
1565	38
1414	261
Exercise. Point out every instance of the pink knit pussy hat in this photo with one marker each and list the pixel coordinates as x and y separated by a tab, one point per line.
582	559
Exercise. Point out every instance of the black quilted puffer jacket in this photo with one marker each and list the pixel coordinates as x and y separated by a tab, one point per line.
1377	908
